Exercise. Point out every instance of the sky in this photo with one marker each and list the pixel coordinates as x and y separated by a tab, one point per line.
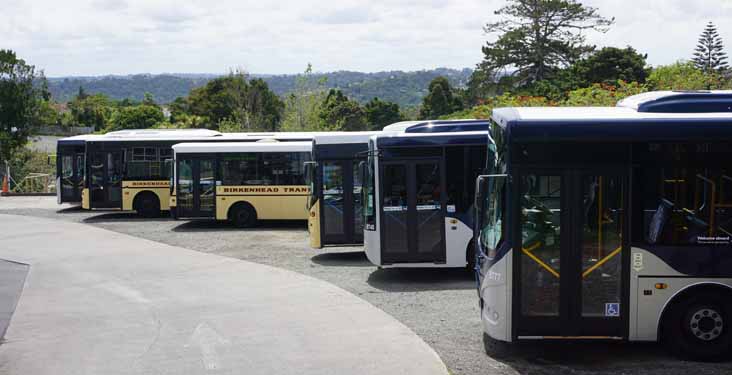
100	37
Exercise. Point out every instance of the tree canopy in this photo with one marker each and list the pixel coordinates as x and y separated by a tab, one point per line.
381	113
22	92
537	37
246	105
337	112
142	116
709	55
440	100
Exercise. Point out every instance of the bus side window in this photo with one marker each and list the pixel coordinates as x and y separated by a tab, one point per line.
683	203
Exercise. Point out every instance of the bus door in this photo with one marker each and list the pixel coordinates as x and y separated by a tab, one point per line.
570	266
105	179
413	212
71	176
341	216
196	195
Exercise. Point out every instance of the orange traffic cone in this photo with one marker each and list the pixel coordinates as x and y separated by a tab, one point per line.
6	188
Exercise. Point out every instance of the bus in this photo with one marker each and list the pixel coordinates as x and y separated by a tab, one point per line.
334	203
242	182
418	196
610	223
70	159
130	169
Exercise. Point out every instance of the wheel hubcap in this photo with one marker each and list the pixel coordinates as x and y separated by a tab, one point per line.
706	324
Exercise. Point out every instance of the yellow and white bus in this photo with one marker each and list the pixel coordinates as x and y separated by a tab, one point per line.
241	182
130	169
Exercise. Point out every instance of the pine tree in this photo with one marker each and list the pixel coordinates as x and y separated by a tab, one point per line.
709	55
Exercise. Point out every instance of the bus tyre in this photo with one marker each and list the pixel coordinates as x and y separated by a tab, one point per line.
698	327
498	349
243	215
147	205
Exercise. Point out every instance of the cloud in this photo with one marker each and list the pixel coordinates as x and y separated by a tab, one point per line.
343	16
94	37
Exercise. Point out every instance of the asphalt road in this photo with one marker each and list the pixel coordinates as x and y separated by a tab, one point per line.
439	305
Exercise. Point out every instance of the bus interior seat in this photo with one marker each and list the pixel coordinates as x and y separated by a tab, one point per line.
659	222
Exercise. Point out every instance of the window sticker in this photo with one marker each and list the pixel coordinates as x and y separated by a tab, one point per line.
427	207
450	208
612	309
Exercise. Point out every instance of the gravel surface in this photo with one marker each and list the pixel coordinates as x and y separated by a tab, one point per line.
439	305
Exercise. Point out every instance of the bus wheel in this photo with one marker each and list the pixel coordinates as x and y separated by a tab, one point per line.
698	327
147	205
243	215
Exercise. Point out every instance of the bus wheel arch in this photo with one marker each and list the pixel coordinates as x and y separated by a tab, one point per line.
689	322
147	204
242	215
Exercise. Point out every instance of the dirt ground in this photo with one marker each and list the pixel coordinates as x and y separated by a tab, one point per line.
439	305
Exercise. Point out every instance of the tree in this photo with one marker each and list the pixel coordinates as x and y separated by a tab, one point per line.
137	117
337	112
251	105
607	66
440	100
302	106
610	65
709	55
602	95
683	76
381	113
538	37
90	110
148	99
20	100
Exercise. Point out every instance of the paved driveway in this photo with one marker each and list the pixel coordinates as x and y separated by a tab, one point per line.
99	302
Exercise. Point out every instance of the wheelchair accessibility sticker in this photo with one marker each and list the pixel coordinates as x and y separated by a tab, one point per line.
612	309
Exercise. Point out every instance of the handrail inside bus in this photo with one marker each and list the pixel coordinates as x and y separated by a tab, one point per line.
536	259
713	202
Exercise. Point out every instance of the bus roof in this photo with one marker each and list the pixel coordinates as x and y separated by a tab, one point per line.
437	126
430	139
678	119
343	137
225	147
77	140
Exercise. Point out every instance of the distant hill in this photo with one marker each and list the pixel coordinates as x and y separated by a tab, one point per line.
404	88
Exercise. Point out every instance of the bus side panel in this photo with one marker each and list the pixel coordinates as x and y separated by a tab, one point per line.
457	238
268	207
130	189
496	292
648	308
129	194
85	199
172	205
314	226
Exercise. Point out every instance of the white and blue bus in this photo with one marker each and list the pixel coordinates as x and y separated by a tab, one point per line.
610	223
418	196
334	205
